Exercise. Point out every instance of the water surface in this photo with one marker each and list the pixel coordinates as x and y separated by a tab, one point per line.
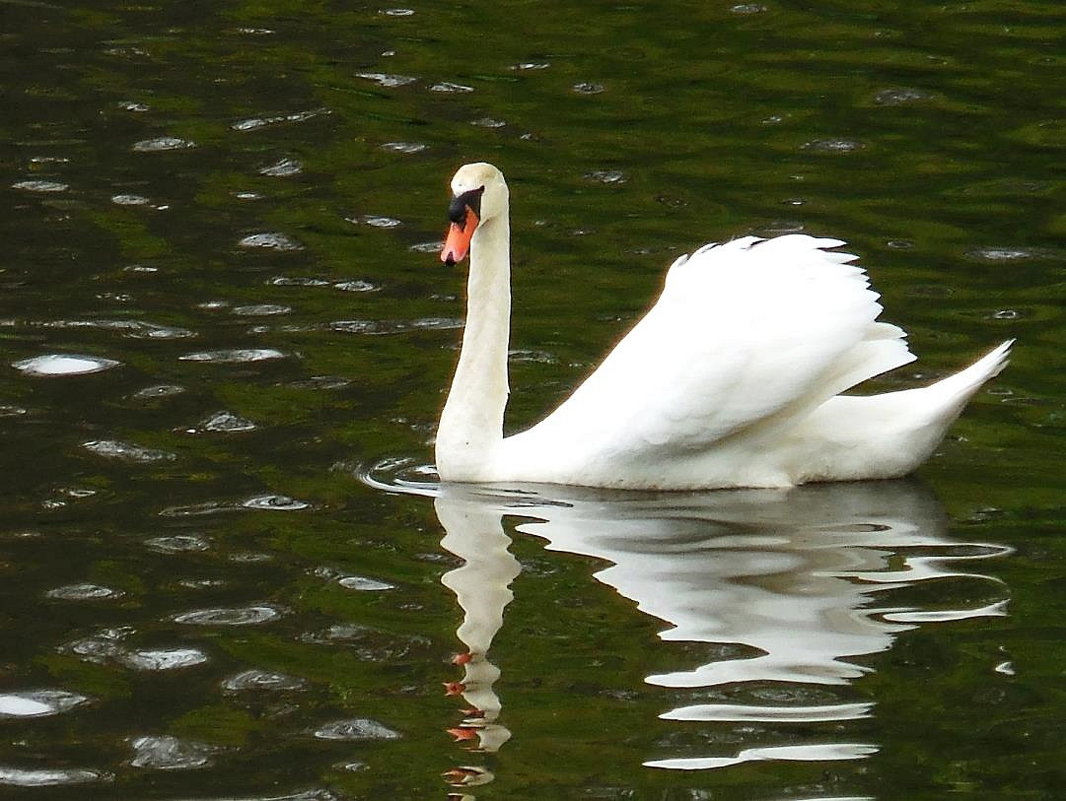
226	569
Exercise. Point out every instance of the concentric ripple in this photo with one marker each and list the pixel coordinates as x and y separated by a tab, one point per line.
231	616
83	592
256	679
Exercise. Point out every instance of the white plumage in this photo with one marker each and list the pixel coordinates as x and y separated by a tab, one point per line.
732	379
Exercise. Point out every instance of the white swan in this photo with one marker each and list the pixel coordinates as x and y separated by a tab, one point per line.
732	379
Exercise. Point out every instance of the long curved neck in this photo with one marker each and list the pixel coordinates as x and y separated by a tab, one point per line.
471	425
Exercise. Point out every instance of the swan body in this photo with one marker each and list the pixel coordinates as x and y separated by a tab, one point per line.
731	379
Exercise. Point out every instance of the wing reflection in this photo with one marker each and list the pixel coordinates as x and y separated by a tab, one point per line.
796	584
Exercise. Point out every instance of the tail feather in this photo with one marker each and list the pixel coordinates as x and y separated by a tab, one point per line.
966	382
887	435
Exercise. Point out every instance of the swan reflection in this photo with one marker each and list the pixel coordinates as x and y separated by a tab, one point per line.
793	586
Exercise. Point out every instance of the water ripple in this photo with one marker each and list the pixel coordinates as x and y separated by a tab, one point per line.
223	422
356	729
285	280
198	509
101	647
427	247
403	147
231	616
61	364
162	144
447	87
395	326
131	200
305	795
387	80
38	703
114	449
607	176
316	382
169	753
83	592
400	474
28	777
375	221
356	286
261	310
153	659
134	329
45	187
834	145
250	557
158	391
364	584
284	168
281	503
532	357
1007	253
233	355
109	647
262	680
255	123
178	543
270	240
368	644
901	96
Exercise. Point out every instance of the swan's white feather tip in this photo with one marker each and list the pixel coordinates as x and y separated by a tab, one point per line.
788	243
999	357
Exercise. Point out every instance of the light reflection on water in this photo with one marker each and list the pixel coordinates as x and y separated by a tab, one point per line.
799	584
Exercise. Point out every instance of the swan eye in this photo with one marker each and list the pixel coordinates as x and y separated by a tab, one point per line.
460	203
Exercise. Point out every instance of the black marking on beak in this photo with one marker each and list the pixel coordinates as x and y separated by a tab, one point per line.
460	203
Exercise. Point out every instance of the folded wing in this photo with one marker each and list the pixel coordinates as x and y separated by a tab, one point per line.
744	334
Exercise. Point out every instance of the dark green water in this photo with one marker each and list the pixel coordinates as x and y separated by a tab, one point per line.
221	575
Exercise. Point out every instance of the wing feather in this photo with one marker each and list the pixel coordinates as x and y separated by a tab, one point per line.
744	332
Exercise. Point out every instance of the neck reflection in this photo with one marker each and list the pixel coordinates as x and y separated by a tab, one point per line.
475	534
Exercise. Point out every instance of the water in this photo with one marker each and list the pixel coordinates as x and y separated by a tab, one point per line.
226	571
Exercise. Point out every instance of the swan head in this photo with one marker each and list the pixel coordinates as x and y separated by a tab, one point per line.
479	196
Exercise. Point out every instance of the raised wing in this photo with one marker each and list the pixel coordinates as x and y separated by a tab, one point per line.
743	332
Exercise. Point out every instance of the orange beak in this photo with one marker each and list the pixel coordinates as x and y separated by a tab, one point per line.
457	245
